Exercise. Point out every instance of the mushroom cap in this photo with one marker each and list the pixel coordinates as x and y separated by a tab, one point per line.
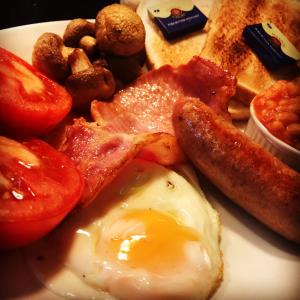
119	30
47	56
90	84
77	29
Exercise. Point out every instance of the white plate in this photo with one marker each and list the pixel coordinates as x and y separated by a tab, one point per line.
258	263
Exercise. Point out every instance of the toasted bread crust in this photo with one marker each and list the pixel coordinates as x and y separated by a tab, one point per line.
225	46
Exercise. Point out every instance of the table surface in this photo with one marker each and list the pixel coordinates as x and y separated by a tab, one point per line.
21	12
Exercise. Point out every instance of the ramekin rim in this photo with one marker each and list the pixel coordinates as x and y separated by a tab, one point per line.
276	142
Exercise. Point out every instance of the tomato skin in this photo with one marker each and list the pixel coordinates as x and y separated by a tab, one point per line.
19	234
30	103
39	186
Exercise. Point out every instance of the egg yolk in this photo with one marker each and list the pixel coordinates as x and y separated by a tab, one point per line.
150	240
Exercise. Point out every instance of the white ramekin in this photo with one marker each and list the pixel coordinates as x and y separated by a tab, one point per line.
261	135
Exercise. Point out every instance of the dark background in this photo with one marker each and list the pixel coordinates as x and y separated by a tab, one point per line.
15	13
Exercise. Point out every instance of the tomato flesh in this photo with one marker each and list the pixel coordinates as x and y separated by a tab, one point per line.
38	187
30	103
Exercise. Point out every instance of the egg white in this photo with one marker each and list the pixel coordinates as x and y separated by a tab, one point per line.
70	264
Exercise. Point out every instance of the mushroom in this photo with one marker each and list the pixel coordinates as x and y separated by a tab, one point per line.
50	56
101	62
119	30
77	29
81	33
88	82
89	45
126	68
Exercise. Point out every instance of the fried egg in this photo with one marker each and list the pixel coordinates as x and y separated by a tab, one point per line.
151	234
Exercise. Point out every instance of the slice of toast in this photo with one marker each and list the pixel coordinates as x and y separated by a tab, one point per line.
175	52
225	45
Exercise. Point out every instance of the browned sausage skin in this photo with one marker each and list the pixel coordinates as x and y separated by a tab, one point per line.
241	169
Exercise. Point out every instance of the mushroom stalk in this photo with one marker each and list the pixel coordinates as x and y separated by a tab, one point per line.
79	61
88	82
66	52
89	45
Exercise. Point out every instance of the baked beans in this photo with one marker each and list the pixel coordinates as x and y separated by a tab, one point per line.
278	109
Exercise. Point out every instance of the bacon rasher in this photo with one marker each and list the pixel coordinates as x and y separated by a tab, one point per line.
100	154
138	121
147	105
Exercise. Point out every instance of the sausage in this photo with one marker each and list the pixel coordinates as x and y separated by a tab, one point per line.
246	173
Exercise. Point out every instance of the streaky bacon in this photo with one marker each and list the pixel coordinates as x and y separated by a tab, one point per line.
100	154
147	105
138	122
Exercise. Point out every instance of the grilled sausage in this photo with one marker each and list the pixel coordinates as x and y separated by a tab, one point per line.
246	173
